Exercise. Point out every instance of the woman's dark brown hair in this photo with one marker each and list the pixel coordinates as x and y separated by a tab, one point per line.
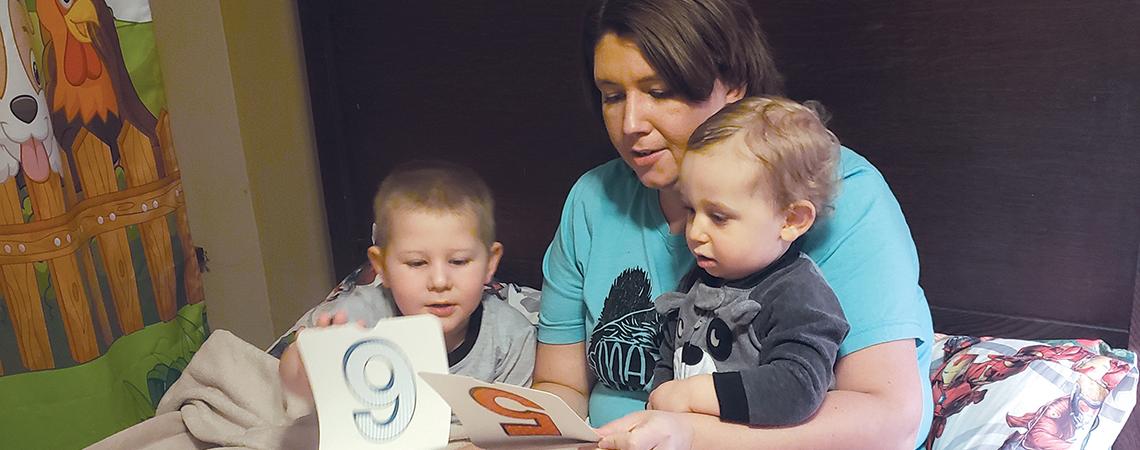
690	43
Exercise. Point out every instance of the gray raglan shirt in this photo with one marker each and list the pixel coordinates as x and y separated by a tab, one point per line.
770	340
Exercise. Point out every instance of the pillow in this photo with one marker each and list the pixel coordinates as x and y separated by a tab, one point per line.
1009	393
525	299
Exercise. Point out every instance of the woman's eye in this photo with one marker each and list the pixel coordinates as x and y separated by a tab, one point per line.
611	98
660	93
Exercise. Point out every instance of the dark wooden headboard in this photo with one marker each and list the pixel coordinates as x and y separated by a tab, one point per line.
1008	131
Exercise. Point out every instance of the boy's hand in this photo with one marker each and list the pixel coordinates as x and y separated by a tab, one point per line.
325	319
694	394
292	370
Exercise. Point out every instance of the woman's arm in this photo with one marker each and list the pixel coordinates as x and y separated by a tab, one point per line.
879	382
561	370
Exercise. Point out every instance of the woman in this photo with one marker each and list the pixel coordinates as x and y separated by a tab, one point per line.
660	68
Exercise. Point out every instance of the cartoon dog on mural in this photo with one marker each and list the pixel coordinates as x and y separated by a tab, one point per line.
27	139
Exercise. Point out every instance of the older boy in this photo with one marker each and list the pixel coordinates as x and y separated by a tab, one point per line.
434	250
755	337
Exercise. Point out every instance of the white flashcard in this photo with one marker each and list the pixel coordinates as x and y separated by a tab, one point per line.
365	384
501	416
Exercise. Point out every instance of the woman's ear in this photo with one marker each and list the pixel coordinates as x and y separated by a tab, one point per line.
798	219
495	253
735	94
376	258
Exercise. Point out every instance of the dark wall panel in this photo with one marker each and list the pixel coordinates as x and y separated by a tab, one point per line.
492	85
1007	130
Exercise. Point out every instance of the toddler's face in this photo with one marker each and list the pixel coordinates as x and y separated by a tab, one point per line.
436	264
733	227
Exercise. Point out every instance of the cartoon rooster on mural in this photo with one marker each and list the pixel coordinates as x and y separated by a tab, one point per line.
93	89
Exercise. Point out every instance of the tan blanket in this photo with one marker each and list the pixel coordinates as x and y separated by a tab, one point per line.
229	396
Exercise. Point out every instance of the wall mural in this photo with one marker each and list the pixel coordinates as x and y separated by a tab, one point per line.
100	290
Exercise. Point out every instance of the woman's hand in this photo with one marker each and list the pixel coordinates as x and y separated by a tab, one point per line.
645	430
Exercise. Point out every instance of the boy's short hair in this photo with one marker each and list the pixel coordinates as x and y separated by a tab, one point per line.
798	154
434	186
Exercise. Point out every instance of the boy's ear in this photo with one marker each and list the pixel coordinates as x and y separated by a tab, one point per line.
495	254
376	258
798	219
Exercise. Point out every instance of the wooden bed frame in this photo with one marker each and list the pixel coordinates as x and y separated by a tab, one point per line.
1007	131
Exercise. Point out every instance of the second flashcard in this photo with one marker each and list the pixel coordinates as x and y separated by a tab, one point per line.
500	416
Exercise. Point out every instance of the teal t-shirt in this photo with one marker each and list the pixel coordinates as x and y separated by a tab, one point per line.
613	254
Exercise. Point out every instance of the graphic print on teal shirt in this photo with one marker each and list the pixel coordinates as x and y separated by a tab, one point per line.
624	345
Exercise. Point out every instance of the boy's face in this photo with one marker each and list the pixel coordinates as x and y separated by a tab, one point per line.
733	228
436	264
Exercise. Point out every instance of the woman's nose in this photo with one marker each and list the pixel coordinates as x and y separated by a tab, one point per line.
634	117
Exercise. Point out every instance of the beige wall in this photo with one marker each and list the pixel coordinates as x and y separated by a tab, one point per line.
237	94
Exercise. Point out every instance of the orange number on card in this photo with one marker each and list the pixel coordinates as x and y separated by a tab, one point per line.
543	425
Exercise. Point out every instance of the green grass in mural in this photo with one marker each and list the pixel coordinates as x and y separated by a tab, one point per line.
121	178
26	207
74	407
179	260
148	304
9	350
53	317
141	58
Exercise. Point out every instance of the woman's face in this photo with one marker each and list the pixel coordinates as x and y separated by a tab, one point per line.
647	121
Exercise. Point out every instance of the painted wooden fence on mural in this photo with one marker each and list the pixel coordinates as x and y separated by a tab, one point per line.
65	224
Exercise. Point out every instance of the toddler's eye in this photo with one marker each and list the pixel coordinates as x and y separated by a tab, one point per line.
719	219
416	263
460	261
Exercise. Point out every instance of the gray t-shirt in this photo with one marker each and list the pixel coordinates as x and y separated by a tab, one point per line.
500	341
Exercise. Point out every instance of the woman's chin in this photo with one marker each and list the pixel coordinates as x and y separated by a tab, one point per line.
653	179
